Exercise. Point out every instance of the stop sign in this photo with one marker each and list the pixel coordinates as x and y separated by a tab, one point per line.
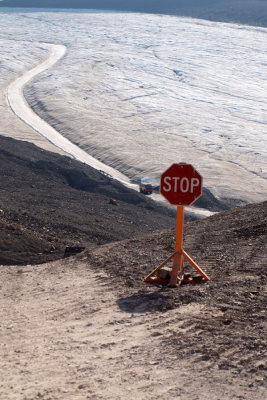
181	184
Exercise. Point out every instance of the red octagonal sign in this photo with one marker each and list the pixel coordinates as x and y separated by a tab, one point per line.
181	184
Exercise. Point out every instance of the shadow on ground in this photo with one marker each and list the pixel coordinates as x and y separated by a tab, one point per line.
142	303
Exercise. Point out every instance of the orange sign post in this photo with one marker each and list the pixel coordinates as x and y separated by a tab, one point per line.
177	267
181	185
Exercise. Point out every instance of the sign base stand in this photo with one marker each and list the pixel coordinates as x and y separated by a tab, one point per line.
177	274
180	278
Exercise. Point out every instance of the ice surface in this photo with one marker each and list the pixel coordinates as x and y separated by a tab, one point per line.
21	108
139	92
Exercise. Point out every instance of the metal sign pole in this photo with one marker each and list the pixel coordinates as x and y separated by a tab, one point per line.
177	267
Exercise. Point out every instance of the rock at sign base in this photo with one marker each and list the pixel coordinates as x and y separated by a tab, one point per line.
164	273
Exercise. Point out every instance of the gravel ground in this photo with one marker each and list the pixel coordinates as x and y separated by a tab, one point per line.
88	326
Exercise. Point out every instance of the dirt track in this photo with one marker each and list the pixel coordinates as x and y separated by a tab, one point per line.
65	334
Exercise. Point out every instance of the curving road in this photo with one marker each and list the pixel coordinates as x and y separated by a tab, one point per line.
21	108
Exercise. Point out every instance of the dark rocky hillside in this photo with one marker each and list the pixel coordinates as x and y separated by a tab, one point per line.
49	202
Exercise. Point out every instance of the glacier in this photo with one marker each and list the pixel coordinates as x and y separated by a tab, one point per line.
139	92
